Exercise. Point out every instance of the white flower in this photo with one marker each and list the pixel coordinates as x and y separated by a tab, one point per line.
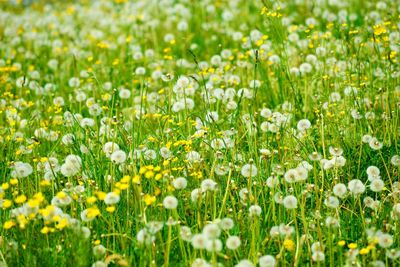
326	164
335	97
52	64
212	116
84	149
377	185
307	166
144	237
255	210
395	160
340	190
303	125
335	151
302	173
305	67
140	71
218	143
74	82
318	256
221	169
74	160
226	224
167	77
179	183
170	202
254	83
286	230
214	245
61	200
165	153
233	242
185	233
396	209
375	144
314	156
118	157
193	156
212	230
272	181
208	185
199	241
267	261
377	263
200	263
249	170
178	106
244	263
332	202
264	126
266	113
356	187
80	96
87	122
150	154
68	139
111	198
124	93
366	138
183	82
338	161
69	169
99	251
153	227
371	203
21	170
195	194
393	253
85	232
385	240
291	175
331	222
290	202
109	148
373	173
85	217
278	198
95	110
107	86
274	232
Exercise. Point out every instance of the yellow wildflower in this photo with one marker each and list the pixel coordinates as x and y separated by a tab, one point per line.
8	224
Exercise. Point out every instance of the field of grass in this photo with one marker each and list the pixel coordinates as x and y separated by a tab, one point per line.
199	133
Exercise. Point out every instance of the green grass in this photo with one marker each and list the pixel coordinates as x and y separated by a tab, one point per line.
235	96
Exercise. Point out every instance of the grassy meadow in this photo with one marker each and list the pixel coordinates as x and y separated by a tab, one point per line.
199	133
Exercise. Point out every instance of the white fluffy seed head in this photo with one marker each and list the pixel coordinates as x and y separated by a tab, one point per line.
290	202
340	190
226	224
214	245
170	202
118	157
212	231
377	185
249	170
112	198
356	187
179	183
199	241
233	242
255	210
267	261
